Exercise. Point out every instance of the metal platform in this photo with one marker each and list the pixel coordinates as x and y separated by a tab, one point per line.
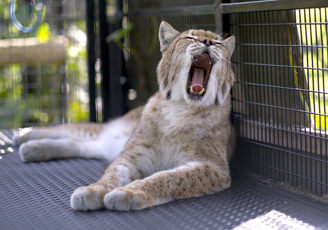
36	196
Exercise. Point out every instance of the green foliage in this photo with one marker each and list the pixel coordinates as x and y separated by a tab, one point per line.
118	35
10	76
314	34
43	32
32	94
11	107
78	112
4	9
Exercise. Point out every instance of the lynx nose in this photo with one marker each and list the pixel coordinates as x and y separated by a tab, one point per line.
207	42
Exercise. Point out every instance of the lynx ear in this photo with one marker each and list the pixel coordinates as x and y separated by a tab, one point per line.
166	35
225	83
224	92
230	44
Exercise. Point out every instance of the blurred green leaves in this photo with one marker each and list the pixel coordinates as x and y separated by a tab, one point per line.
118	35
313	34
43	33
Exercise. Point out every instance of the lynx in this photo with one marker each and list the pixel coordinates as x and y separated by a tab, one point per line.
178	145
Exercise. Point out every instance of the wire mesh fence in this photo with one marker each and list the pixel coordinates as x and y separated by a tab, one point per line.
43	73
280	95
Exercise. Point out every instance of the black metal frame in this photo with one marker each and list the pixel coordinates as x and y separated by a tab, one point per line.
91	59
113	98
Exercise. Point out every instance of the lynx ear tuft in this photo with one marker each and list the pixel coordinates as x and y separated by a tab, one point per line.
166	35
230	44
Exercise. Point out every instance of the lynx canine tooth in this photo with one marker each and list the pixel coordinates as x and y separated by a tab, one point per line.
200	92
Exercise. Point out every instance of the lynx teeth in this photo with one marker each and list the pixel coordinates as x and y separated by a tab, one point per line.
200	92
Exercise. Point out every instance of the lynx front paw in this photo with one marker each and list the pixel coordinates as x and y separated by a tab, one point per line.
87	198
21	136
32	151
123	199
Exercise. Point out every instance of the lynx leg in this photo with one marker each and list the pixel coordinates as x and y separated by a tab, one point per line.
90	131
87	131
192	179
47	149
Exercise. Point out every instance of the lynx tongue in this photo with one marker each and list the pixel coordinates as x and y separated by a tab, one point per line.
197	80
200	70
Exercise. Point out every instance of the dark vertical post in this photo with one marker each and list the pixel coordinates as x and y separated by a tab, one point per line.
104	56
226	22
111	67
62	71
91	59
117	99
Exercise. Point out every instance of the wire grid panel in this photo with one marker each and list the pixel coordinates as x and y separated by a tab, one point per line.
280	95
42	74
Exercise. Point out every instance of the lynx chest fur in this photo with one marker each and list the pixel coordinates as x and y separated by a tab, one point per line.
177	146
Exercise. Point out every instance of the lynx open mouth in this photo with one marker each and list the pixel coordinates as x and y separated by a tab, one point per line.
199	75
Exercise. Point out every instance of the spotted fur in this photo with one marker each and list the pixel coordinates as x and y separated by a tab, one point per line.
177	146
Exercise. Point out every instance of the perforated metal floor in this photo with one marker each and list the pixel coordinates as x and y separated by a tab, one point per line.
36	196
